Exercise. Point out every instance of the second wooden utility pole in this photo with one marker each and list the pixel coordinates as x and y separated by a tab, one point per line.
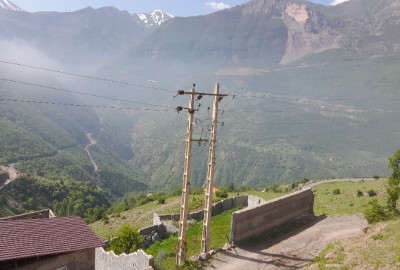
181	252
205	242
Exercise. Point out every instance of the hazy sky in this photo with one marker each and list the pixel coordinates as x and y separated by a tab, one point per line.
174	7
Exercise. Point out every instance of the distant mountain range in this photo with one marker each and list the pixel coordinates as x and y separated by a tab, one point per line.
88	36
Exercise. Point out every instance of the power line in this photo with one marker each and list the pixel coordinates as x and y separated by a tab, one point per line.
85	76
81	105
82	93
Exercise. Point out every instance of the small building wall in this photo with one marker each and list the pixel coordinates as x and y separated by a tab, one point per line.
259	219
78	260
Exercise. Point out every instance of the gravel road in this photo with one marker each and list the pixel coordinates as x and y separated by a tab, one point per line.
291	250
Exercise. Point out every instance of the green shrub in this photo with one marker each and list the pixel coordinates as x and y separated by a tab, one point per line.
360	193
223	193
371	193
127	240
197	191
376	177
161	200
336	191
375	212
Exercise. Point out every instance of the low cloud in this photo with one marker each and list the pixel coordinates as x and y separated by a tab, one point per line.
217	6
337	2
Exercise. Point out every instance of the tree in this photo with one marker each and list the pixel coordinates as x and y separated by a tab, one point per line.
376	212
393	184
127	240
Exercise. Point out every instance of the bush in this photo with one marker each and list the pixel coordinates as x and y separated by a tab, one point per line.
223	193
360	193
371	193
161	200
376	177
304	181
336	191
375	212
127	240
197	191
275	188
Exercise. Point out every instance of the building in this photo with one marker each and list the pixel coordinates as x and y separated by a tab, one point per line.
55	243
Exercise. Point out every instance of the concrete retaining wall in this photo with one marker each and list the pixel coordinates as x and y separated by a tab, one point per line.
218	208
134	261
259	219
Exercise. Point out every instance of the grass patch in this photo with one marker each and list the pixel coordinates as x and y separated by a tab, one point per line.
332	254
348	201
378	249
164	252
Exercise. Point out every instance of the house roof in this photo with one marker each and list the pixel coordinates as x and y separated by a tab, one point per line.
40	237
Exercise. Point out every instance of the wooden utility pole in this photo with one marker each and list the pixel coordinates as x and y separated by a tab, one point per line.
181	252
205	243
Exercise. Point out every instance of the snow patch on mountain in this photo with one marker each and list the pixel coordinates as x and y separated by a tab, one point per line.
6	4
155	18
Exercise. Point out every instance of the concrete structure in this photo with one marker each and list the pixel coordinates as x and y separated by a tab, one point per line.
135	261
259	219
217	208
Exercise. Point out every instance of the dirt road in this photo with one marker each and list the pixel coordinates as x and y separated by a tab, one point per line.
91	142
293	250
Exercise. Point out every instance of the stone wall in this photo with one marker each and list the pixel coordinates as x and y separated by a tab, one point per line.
153	234
134	261
259	219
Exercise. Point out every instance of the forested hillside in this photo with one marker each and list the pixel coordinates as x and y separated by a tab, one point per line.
312	93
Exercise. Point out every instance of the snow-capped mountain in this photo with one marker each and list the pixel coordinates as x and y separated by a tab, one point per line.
6	4
155	18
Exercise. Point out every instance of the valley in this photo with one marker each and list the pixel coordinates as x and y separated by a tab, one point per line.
88	108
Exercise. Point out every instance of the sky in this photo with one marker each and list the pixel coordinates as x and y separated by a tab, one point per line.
175	7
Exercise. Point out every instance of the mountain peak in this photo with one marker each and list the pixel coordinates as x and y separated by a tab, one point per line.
6	4
155	18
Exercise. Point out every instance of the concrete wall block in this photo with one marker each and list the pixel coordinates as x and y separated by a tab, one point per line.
259	219
241	200
217	209
165	217
148	230
254	201
156	219
227	204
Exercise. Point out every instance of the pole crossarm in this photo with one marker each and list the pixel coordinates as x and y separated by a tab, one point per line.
183	92
200	140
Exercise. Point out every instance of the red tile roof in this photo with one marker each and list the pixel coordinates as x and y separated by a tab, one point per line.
39	237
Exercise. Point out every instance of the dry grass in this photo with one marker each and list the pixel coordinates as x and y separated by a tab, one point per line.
377	248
